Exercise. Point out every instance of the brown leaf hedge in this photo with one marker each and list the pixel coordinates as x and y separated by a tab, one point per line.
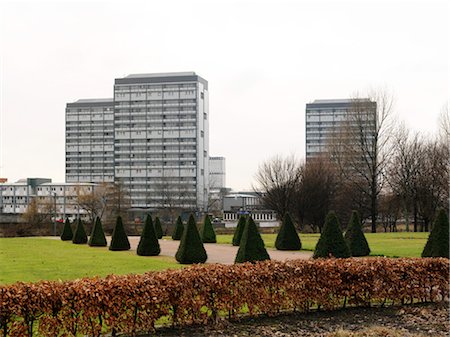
132	304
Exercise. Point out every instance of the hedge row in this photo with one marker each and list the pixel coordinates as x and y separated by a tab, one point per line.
200	294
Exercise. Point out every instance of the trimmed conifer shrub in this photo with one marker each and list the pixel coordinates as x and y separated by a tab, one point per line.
208	233
179	228
148	244
119	239
331	242
287	238
79	236
438	240
191	249
158	228
355	237
251	247
238	231
97	238
67	233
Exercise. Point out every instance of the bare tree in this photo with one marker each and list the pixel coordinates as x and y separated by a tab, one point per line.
278	179
433	181
93	200
316	192
405	169
39	211
362	148
444	123
389	211
118	199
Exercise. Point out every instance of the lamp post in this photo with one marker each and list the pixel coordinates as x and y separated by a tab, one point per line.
54	216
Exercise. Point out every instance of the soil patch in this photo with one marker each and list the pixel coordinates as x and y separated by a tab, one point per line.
417	320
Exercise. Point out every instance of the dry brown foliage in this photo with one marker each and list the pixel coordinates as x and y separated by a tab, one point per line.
200	294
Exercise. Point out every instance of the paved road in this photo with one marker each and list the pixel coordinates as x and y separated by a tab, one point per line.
221	253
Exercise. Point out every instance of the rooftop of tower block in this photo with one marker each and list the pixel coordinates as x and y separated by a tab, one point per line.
91	102
154	78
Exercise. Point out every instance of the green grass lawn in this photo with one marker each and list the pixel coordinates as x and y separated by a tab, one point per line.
400	244
34	259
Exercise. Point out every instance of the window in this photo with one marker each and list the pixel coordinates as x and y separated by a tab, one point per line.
202	134
205	116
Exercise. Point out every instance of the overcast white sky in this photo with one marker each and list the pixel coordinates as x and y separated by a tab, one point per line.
264	60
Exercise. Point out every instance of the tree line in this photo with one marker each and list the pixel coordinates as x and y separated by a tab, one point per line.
387	174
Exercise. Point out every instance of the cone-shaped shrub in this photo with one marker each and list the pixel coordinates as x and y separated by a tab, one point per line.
191	249
331	242
208	234
438	240
287	238
79	236
97	238
158	228
179	228
251	247
67	233
355	238
148	244
238	231
119	239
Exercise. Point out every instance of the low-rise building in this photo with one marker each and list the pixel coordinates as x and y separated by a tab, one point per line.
247	203
62	197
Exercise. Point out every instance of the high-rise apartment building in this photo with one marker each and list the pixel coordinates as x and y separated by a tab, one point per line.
328	119
216	173
90	141
160	138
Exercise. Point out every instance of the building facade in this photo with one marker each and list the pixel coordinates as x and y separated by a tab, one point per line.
217	178
90	140
247	203
327	119
160	140
16	197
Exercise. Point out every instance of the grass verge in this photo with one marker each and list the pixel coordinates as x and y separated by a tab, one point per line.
400	244
34	259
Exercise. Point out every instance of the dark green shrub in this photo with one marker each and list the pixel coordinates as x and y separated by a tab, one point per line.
119	239
238	231
179	228
438	240
148	244
355	238
251	247
97	238
331	242
191	249
67	233
79	236
287	238
158	228
208	234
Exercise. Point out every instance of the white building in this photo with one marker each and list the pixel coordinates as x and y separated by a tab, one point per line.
16	197
160	139
327	118
247	203
90	140
217	177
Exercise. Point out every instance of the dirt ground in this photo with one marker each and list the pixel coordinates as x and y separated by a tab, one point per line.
218	253
408	321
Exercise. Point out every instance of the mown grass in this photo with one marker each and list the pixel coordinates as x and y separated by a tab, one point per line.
34	259
400	244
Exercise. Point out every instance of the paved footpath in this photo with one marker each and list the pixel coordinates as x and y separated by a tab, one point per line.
221	253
